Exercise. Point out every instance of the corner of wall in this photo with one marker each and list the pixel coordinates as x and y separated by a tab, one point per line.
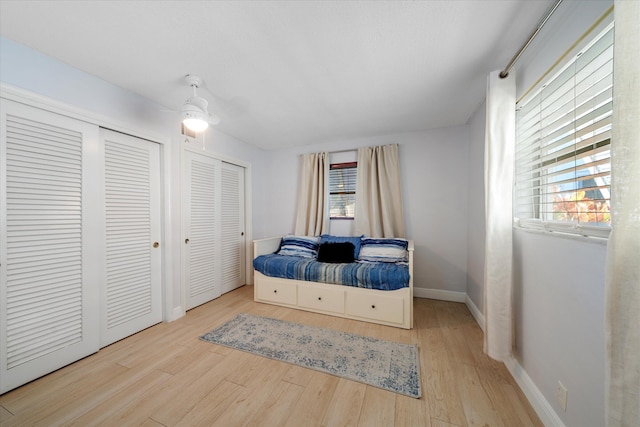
475	312
439	294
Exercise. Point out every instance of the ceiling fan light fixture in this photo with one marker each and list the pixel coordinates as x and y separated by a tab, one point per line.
194	111
194	114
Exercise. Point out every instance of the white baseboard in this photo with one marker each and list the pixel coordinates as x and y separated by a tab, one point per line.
543	408
439	294
177	313
477	314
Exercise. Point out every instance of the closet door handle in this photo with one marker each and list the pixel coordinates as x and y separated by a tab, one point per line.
156	244
186	241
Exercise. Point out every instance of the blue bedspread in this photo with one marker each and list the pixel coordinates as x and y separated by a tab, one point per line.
380	275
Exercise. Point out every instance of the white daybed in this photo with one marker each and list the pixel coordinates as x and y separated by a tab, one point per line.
392	308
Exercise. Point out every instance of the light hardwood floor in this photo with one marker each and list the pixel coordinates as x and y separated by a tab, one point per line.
166	376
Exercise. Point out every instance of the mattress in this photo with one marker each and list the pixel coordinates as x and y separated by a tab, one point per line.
370	275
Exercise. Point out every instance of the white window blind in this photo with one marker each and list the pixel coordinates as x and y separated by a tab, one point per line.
563	138
342	190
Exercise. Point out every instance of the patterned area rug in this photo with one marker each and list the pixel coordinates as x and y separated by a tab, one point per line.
388	365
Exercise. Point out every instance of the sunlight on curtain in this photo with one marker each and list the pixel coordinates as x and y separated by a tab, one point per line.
312	218
622	283
378	210
498	181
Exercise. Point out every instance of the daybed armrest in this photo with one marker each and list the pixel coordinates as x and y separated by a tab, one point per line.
266	246
410	249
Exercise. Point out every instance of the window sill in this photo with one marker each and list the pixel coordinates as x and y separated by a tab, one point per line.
562	235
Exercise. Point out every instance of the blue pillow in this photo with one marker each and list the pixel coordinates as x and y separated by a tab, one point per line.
302	246
355	240
384	250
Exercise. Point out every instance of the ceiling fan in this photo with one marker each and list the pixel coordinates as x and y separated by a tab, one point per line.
195	115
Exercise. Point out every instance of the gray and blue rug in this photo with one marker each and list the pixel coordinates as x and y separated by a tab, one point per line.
388	365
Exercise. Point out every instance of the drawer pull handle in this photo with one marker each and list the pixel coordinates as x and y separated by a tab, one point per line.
275	291
373	306
319	298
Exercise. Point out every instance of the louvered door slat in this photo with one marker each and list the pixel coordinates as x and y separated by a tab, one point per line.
46	310
132	295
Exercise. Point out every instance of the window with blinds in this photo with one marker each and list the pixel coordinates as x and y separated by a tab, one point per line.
563	139
342	190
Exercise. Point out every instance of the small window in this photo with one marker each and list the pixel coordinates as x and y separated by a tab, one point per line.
563	167
342	190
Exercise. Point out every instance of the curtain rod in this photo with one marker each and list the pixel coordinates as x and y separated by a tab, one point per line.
333	152
543	21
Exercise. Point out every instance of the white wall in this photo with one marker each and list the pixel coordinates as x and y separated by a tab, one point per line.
119	109
434	184
476	217
558	282
559	322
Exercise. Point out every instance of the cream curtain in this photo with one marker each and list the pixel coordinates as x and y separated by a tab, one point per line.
312	218
378	211
498	182
622	283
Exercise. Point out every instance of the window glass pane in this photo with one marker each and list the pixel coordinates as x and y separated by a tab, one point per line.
342	205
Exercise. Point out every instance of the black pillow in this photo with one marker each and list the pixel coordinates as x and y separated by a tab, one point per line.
336	252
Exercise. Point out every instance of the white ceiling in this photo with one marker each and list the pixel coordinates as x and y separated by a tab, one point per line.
286	73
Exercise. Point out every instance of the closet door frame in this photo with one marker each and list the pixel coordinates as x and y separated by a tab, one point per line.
248	231
169	313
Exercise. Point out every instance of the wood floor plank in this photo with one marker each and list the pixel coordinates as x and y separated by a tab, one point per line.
412	412
298	375
104	411
378	408
212	406
5	415
478	408
51	389
314	401
346	404
190	395
440	389
166	376
278	406
86	394
254	395
439	423
168	393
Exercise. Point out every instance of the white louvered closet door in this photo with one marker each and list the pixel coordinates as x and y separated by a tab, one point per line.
202	228
49	286
232	239
132	294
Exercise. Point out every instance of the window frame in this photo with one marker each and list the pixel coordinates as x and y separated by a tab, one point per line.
535	180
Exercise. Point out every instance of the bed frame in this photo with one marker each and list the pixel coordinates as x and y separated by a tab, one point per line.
391	308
